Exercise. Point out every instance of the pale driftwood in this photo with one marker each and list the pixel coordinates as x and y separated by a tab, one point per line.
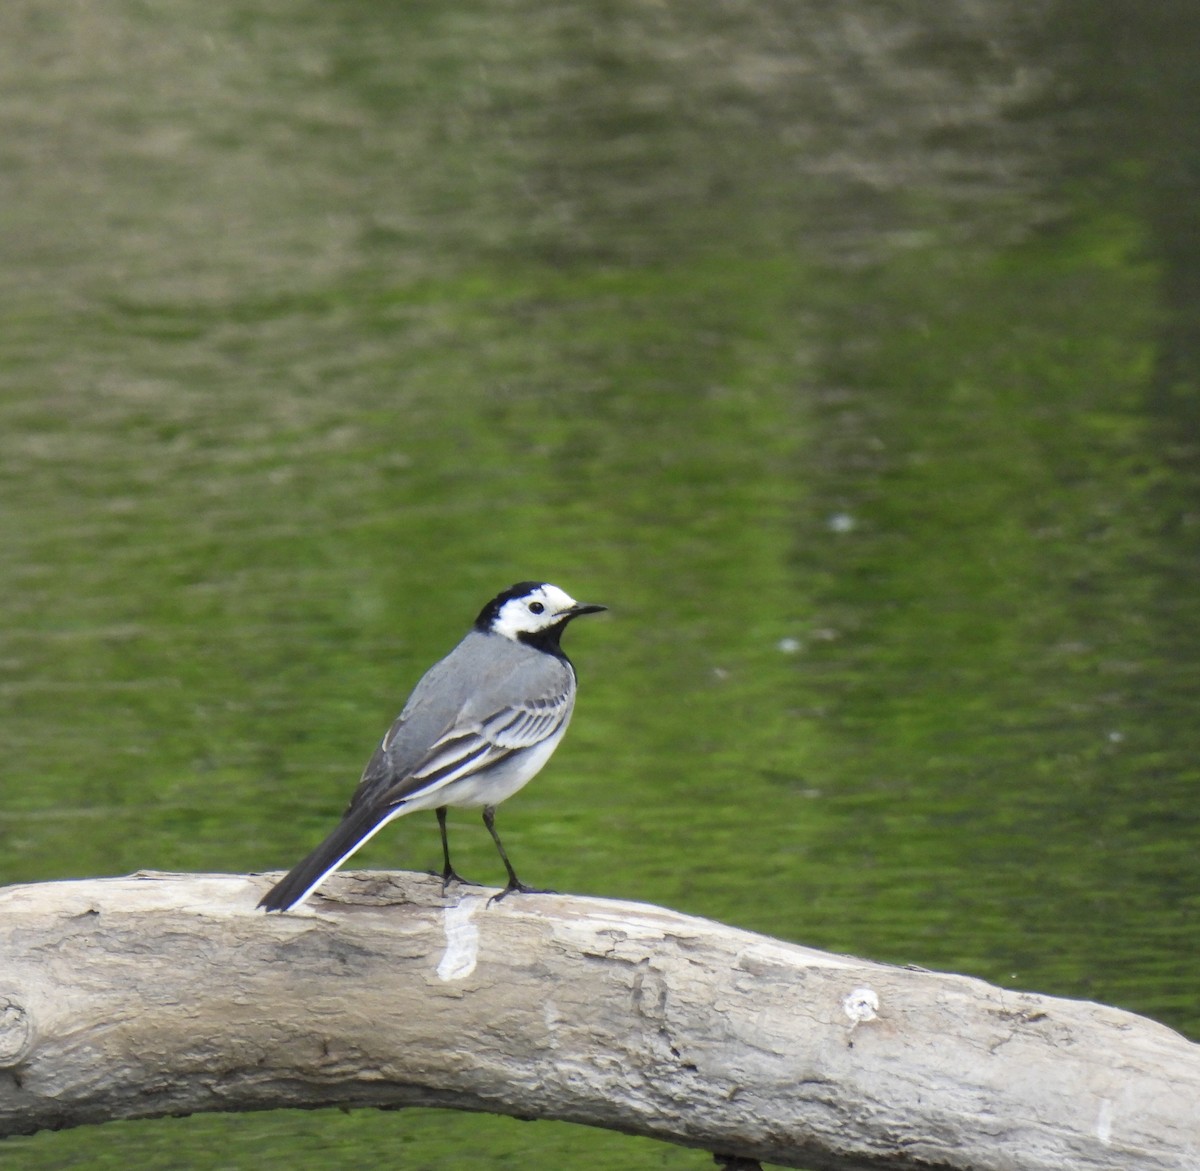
169	994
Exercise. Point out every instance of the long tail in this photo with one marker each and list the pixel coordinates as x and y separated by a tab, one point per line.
354	830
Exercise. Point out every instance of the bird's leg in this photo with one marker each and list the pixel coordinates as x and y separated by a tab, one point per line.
514	883
449	874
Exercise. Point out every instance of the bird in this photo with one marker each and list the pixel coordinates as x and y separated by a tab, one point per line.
478	726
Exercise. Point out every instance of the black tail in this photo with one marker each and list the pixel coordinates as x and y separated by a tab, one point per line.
352	831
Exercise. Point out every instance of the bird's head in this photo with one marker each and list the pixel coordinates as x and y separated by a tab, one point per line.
531	611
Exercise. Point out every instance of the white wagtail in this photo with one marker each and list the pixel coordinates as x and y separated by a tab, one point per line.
478	726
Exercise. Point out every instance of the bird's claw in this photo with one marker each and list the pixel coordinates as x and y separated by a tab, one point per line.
519	888
449	876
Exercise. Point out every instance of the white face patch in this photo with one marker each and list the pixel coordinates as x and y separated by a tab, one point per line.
537	610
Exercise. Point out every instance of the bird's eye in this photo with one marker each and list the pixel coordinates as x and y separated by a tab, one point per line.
536	607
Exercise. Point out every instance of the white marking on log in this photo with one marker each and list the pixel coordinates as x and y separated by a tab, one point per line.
462	941
861	1005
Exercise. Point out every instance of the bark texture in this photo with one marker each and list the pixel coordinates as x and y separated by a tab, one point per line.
170	994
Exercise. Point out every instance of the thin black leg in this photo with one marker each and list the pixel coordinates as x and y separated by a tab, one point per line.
514	883
449	874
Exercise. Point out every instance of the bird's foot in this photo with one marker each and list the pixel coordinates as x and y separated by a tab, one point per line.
519	888
450	875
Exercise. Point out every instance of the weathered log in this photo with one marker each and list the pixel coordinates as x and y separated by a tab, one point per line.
169	994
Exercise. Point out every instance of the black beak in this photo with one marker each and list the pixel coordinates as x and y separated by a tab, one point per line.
585	608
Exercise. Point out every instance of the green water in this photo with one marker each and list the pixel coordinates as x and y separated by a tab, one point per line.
849	356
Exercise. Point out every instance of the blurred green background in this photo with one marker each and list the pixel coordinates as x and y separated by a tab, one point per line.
847	351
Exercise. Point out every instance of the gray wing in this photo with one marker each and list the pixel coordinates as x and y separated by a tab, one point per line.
487	700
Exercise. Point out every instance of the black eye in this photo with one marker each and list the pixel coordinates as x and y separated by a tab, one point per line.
536	607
